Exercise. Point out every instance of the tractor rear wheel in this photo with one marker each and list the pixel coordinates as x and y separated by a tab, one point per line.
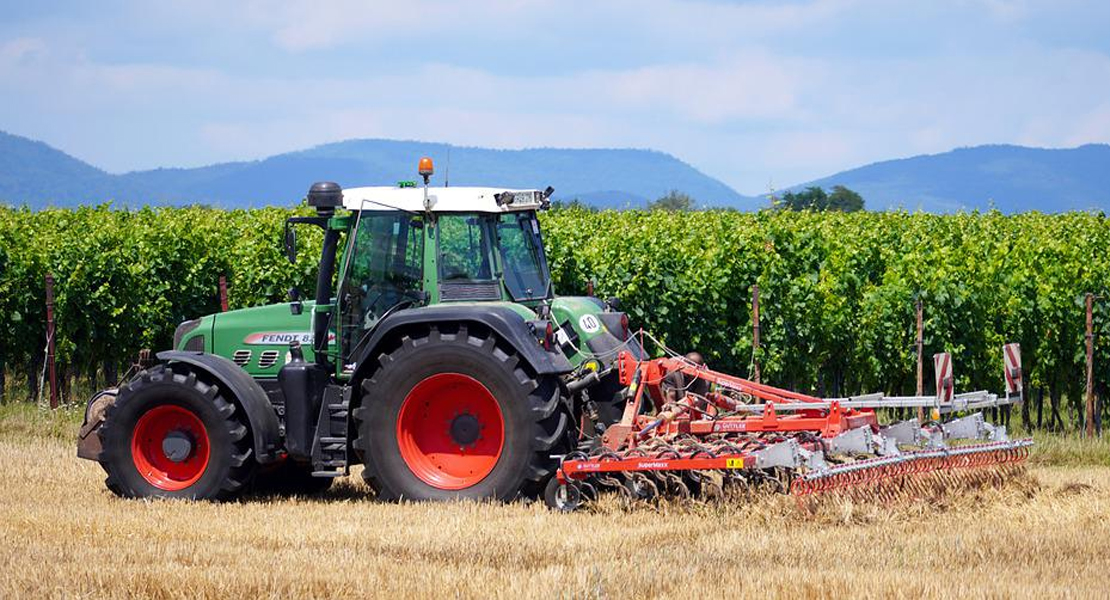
454	415
170	434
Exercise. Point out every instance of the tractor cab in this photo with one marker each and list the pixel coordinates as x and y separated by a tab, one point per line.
412	247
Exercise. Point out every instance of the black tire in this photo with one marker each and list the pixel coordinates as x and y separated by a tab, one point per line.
563	498
534	415
291	478
230	465
608	395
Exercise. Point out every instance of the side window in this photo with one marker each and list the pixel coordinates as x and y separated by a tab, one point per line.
464	249
385	268
518	236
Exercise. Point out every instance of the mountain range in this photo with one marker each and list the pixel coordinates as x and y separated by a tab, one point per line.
1009	178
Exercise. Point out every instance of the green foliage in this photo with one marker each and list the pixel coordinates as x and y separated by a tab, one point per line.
815	198
837	289
126	278
673	200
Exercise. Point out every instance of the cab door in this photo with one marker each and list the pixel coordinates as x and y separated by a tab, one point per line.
383	271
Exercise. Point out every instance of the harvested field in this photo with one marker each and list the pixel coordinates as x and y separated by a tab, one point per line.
63	534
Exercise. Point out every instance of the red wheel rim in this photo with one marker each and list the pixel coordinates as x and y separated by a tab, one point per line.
450	431
148	447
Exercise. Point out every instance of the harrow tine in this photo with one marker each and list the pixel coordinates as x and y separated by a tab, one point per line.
693	480
589	492
640	487
713	484
917	473
608	482
676	486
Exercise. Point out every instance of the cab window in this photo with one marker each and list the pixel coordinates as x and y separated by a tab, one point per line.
384	269
518	238
464	248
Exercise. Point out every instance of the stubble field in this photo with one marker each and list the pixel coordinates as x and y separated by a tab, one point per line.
62	534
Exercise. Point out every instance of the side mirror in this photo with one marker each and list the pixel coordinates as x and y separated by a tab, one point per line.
290	243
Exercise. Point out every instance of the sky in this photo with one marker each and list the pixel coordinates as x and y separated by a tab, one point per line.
760	95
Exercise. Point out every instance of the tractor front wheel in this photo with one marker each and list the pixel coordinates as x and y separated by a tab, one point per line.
170	434
453	415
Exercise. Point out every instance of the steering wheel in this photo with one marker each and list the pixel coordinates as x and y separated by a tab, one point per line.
404	303
368	316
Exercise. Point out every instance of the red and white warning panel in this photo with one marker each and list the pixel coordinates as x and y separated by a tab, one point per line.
942	368
1011	360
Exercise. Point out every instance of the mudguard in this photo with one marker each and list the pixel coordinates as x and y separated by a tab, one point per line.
589	328
504	322
246	394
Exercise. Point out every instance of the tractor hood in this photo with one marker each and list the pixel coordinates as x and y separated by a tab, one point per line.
588	328
256	339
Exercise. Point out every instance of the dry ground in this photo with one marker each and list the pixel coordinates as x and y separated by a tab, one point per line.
63	534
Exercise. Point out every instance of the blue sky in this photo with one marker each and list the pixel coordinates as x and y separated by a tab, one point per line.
758	94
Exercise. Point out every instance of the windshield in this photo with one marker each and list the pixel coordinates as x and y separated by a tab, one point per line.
521	247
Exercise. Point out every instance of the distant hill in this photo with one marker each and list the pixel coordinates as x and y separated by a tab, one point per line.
35	174
31	171
1009	178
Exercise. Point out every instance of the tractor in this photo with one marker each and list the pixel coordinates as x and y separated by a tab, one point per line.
442	360
445	363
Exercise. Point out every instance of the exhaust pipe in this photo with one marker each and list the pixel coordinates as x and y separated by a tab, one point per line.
325	196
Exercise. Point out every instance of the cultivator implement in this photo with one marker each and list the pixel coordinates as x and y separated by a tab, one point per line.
691	431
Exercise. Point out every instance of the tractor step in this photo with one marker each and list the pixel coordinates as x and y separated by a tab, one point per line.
329	449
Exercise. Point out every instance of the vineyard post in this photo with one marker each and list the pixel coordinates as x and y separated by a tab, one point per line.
755	333
223	293
50	340
1090	366
920	344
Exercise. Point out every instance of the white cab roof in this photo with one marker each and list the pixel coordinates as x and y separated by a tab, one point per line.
440	199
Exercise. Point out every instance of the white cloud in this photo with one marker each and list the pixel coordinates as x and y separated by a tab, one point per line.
21	50
1007	10
733	89
745	87
300	25
309	25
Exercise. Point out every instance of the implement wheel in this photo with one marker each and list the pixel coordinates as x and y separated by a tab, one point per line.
563	497
169	434
453	415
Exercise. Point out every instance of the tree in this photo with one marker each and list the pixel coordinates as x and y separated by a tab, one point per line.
815	198
811	198
844	199
574	204
674	200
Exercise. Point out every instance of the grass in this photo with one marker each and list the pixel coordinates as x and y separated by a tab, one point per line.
1070	450
63	535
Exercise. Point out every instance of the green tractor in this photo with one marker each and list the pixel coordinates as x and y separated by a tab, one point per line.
441	360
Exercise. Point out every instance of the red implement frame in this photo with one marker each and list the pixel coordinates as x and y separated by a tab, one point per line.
629	441
646	378
690	432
